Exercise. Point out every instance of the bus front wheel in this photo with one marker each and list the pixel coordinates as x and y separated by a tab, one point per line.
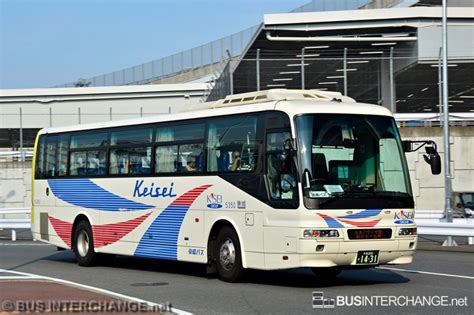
84	244
228	256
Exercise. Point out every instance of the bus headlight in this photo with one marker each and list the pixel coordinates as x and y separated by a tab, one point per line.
320	233
406	231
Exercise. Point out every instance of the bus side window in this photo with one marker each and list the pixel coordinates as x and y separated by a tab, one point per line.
96	162
51	144
39	167
231	137
130	152
281	176
166	159
78	161
189	154
63	145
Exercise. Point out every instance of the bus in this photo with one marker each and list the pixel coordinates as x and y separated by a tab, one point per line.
264	180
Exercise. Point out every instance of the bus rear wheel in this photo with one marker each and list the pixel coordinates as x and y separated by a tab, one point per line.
84	244
228	256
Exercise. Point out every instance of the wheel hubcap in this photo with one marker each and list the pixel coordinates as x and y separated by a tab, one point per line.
82	243
227	254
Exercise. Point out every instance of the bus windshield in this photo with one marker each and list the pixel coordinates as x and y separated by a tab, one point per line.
352	161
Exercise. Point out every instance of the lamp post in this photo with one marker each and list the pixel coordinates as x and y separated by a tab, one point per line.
447	156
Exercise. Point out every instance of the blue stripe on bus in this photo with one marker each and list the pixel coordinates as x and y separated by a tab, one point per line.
332	223
362	214
87	194
161	238
164	231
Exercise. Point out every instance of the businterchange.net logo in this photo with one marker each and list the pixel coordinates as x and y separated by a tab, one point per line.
319	301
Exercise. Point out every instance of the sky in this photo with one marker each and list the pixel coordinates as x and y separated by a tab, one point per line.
45	43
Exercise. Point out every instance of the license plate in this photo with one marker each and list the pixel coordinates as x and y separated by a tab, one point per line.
367	257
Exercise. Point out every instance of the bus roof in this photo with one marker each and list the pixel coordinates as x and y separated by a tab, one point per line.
292	102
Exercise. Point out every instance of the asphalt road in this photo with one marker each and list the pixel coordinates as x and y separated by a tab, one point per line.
188	287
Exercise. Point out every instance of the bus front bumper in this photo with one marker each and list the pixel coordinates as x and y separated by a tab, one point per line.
344	253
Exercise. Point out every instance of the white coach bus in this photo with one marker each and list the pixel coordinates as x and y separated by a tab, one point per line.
264	180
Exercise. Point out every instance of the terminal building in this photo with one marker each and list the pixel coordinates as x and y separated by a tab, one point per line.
384	52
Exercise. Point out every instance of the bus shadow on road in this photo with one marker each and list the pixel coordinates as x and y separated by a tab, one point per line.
301	277
304	278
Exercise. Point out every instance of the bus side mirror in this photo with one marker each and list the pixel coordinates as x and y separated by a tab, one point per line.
431	157
434	160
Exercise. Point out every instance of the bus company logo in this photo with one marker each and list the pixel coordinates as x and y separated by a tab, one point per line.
214	201
320	302
143	190
403	217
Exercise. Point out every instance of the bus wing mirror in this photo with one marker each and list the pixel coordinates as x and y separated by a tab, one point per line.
431	157
434	160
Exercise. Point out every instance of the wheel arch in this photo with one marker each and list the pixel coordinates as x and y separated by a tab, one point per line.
80	217
217	225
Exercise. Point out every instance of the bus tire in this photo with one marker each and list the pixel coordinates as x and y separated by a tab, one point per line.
84	244
228	256
326	273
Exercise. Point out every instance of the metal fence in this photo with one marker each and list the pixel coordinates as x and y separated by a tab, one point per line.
210	54
15	218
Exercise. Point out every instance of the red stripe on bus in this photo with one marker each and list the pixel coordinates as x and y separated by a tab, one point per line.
106	234
63	229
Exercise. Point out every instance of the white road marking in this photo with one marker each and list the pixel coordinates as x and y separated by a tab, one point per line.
427	273
91	288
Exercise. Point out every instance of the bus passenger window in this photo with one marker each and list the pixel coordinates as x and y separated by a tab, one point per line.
191	157
39	169
78	161
95	162
190	164
281	173
87	163
140	161
236	161
89	140
51	156
130	161
131	137
62	155
166	159
233	137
